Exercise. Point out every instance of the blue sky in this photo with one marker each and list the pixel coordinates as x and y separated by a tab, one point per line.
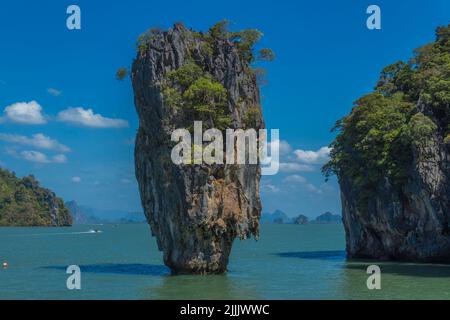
326	58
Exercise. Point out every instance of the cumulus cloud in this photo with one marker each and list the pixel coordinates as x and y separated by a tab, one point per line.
76	179
270	188
59	158
36	156
283	145
313	157
304	182
38	140
313	188
295	167
87	118
295	178
54	92
24	113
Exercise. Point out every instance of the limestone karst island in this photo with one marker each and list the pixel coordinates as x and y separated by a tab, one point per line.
248	152
180	76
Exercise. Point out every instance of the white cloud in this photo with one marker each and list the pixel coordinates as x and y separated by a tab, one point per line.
313	157
125	181
54	92
304	182
38	140
36	156
24	113
295	178
295	167
270	188
59	158
76	179
313	188
283	145
87	118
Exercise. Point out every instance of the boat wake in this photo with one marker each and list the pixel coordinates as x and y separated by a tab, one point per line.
91	231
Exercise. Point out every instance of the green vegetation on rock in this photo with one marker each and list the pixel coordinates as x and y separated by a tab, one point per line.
121	73
24	203
376	140
197	94
191	89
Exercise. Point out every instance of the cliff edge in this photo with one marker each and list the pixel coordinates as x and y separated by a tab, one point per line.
392	160
23	202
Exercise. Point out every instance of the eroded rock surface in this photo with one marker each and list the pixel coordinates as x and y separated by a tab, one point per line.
392	159
195	211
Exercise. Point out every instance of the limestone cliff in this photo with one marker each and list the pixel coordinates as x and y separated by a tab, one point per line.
24	203
195	211
392	159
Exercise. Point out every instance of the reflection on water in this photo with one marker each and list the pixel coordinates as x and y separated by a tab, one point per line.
199	287
115	268
422	270
316	255
399	280
288	262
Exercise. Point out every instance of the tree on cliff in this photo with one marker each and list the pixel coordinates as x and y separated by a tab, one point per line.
392	159
376	140
24	203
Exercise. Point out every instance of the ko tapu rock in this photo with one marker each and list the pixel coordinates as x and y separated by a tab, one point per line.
392	160
179	76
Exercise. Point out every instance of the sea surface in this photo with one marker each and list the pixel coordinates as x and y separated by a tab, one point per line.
122	262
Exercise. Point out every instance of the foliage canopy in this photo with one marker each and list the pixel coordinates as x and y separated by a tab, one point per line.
376	140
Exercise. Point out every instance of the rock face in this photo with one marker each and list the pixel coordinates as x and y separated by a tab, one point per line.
24	203
80	215
301	219
195	211
328	217
410	225
397	207
277	216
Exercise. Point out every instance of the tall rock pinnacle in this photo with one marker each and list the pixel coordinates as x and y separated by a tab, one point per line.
195	211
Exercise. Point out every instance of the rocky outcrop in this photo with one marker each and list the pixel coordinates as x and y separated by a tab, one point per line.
392	159
277	216
328	217
300	219
411	224
81	215
23	202
195	211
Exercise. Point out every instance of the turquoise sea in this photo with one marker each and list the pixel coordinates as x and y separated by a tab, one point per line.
122	262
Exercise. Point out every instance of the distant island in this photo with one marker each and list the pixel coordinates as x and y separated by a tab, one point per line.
279	217
301	219
23	203
87	215
328	217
